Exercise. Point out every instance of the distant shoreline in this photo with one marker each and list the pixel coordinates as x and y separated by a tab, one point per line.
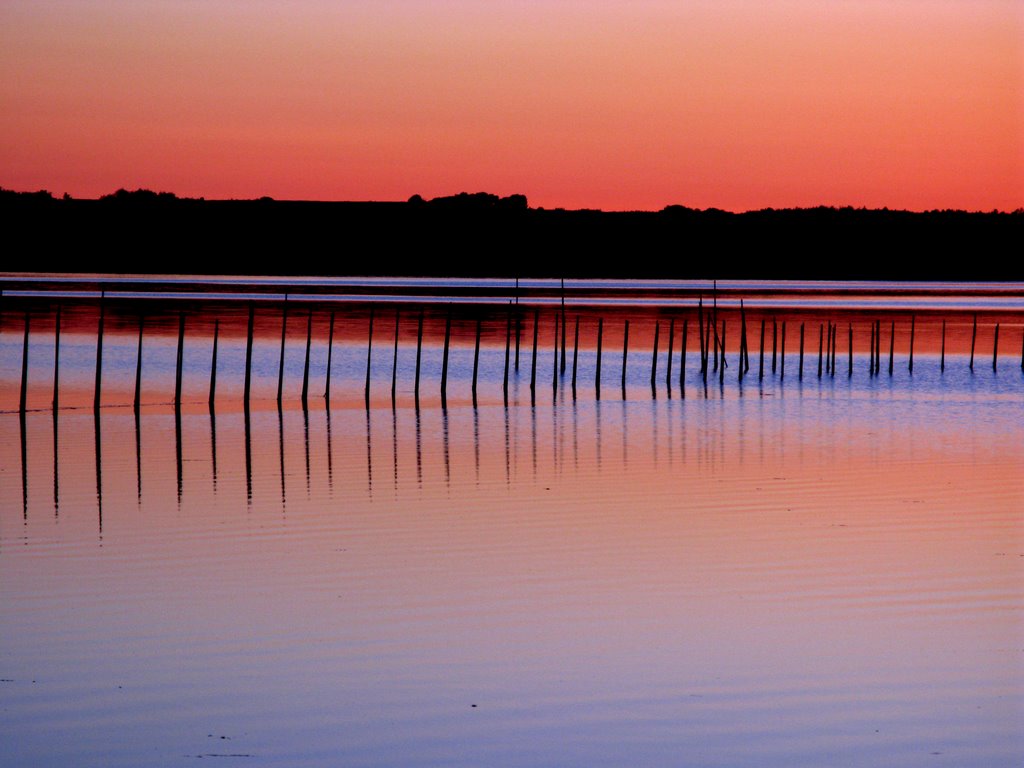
482	235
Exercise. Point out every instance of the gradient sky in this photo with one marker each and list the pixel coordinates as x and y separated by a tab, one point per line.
736	104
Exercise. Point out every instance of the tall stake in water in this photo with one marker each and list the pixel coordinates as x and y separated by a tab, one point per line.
625	351
654	355
849	351
305	367
99	359
575	354
508	342
213	366
394	360
671	343
248	361
369	358
56	358
942	358
180	360
419	349
444	358
782	356
476	359
138	372
800	373
910	365
682	359
974	337
533	366
995	348
280	365
24	367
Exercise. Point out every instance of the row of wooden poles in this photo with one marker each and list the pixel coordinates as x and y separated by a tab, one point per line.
711	337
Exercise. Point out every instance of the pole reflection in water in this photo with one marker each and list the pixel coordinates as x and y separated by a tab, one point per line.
56	468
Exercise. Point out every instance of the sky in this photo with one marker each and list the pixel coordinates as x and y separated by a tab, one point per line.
733	104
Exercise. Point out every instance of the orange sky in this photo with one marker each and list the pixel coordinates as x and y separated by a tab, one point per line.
734	104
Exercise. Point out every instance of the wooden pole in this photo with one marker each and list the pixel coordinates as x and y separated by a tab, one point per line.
878	347
476	359
700	321
180	360
519	326
654	355
533	366
871	350
707	351
942	358
369	358
508	342
99	360
554	365
444	359
849	352
419	349
714	326
721	368
56	360
910	365
625	351
280	366
682	359
782	355
714	317
671	343
213	365
138	370
974	337
305	366
835	333
828	348
597	373
800	373
394	360
575	353
821	344
330	355
995	348
248	355
24	367
775	336
562	370
744	363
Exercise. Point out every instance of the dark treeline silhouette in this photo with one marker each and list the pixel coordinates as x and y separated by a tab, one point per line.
479	235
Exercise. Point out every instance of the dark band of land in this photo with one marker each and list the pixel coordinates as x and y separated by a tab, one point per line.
483	235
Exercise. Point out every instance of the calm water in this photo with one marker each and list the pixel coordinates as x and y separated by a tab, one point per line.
774	572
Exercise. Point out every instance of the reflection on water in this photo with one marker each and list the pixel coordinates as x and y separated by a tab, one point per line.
809	572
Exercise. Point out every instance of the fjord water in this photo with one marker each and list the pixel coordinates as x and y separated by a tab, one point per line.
779	572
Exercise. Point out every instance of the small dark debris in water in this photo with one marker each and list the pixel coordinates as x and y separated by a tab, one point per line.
6	680
936	753
221	754
473	705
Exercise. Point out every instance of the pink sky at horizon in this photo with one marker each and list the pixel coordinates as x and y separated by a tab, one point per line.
736	104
